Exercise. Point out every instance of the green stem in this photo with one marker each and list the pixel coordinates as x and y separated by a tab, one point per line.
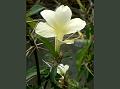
80	5
57	45
37	64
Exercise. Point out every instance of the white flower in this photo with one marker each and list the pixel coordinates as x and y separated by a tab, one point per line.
59	23
61	69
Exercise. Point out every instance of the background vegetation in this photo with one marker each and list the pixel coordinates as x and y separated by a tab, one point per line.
40	51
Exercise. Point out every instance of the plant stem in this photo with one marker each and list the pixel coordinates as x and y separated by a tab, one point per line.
37	66
57	45
37	63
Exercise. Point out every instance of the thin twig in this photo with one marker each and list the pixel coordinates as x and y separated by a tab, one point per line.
89	69
35	20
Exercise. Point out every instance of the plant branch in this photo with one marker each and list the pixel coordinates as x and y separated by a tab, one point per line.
37	63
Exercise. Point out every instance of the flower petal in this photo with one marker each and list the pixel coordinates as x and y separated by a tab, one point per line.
61	69
49	16
44	30
75	25
61	65
63	14
66	67
71	41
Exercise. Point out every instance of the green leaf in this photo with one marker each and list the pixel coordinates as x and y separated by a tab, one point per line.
73	84
83	75
48	44
53	74
89	30
81	54
32	24
31	72
35	9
